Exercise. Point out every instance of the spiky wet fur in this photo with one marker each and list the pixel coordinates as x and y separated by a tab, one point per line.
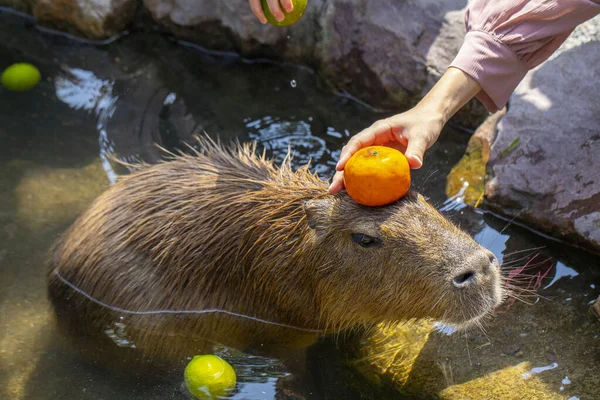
225	229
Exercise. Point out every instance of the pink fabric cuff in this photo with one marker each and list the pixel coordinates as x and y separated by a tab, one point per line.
493	65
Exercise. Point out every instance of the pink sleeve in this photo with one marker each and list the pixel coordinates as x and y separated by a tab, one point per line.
506	38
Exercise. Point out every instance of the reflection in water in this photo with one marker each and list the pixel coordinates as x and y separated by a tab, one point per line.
118	335
444	328
562	271
495	241
538	370
280	136
456	202
82	90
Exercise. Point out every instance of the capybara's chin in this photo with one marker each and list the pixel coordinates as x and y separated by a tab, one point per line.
279	259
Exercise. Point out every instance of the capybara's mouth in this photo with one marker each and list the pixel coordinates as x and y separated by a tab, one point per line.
448	327
465	318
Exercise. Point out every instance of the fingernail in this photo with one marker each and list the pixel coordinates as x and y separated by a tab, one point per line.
417	162
290	7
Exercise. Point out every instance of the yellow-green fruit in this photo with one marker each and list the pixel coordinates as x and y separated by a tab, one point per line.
290	18
209	377
20	77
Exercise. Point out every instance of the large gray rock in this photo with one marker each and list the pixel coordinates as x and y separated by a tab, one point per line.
94	19
387	54
551	181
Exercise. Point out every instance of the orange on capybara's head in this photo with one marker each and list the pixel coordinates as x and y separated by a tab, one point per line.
377	175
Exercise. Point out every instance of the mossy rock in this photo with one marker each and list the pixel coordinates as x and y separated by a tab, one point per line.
506	384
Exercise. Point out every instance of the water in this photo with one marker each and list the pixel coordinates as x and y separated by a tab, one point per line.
98	101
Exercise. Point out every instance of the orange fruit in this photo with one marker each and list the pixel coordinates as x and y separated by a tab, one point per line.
376	176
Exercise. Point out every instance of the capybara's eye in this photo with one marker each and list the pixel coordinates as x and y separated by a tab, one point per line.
365	241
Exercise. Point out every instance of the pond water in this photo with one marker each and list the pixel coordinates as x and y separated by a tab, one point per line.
99	99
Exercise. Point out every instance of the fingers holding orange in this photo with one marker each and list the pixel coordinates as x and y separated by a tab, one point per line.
379	133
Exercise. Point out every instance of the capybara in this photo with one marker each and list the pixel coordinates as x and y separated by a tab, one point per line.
223	246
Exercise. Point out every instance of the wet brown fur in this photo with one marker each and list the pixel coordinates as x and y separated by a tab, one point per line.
226	229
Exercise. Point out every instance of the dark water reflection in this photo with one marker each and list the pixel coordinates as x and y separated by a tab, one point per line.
117	100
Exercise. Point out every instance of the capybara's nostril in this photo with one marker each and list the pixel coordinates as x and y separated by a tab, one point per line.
463	279
491	263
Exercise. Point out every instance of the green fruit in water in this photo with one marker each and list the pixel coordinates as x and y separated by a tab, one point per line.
20	77
290	18
209	377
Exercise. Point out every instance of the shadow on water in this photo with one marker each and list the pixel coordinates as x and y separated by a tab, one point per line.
98	101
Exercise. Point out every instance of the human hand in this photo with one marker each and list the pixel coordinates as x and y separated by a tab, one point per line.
275	6
411	132
415	130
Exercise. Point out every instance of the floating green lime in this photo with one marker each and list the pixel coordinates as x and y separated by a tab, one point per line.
209	377
290	18
20	77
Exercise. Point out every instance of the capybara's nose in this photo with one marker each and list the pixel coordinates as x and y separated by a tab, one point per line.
464	279
481	264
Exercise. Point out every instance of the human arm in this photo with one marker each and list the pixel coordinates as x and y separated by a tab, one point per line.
505	39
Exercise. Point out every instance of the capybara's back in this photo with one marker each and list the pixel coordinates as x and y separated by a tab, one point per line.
222	246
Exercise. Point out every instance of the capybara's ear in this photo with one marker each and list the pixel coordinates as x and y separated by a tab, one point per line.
318	213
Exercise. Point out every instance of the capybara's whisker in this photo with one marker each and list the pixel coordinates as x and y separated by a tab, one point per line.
531	250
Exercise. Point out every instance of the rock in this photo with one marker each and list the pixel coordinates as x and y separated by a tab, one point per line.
511	349
551	180
230	25
94	19
466	181
506	384
388	55
390	357
595	308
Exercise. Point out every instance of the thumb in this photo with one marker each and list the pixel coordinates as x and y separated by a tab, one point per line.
415	150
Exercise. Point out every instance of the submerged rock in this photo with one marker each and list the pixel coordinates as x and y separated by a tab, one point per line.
511	383
467	178
551	179
389	360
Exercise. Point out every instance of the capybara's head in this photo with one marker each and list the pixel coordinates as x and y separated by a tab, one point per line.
400	262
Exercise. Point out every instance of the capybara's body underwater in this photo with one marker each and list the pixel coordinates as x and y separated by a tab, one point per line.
222	246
